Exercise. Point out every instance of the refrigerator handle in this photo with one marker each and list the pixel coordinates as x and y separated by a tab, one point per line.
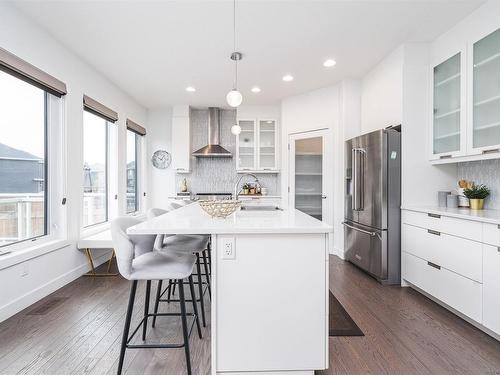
358	176
354	180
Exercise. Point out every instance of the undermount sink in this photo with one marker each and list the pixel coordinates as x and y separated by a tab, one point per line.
259	208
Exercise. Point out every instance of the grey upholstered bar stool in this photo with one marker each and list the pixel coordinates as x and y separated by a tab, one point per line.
184	244
137	260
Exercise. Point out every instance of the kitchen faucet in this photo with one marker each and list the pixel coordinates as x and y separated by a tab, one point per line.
236	192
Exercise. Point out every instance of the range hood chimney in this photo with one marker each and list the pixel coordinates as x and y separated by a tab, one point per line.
213	149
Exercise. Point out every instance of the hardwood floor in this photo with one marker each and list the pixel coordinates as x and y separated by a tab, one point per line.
405	333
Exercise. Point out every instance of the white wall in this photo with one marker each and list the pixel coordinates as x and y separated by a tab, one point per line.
381	98
48	272
160	181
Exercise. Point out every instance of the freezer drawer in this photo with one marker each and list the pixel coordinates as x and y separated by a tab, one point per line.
367	248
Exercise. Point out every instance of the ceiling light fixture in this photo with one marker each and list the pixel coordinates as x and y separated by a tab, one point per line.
329	63
234	97
190	89
255	89
287	78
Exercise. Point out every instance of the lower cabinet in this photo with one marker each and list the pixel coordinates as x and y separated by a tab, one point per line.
459	292
454	262
491	287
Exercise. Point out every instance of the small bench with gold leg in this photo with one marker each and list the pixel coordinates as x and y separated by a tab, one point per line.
98	241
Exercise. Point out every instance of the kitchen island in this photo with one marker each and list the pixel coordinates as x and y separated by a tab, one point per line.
269	287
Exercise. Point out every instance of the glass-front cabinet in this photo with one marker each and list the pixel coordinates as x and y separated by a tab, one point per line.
245	145
447	116
256	145
485	96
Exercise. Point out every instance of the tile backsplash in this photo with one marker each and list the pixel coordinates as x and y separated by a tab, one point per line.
217	174
485	172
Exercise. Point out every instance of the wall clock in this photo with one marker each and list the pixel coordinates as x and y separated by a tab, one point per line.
161	159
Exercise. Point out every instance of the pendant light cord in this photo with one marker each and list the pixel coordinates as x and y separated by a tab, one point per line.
235	85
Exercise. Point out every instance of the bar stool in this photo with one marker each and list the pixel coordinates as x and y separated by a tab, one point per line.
136	261
184	244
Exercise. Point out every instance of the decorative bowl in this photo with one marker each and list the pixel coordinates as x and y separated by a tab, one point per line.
220	208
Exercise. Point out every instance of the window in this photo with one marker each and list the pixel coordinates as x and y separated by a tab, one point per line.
95	169
133	140
23	161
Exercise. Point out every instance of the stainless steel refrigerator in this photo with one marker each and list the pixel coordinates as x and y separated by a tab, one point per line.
372	219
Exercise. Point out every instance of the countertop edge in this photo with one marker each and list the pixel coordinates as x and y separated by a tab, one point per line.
297	231
460	213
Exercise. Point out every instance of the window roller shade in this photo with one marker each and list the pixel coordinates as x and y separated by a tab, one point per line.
136	128
99	109
21	69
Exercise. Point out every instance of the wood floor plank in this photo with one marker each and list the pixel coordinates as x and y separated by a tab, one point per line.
405	333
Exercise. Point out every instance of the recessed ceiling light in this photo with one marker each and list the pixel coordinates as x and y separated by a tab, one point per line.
255	89
329	63
190	89
288	78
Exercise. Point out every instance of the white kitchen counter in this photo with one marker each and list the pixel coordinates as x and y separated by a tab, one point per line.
484	216
263	263
192	219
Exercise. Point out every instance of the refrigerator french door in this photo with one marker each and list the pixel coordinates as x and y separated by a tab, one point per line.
311	175
372	224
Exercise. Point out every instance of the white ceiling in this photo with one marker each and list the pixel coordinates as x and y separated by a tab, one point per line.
155	49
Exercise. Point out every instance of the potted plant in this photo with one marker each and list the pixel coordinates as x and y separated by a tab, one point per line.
477	194
246	188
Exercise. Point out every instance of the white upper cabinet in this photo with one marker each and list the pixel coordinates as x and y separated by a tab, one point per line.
465	123
256	145
485	94
448	119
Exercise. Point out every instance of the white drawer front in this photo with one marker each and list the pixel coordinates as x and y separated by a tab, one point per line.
491	234
458	227
460	293
456	254
491	288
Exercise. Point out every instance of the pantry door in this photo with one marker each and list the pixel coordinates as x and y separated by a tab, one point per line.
311	174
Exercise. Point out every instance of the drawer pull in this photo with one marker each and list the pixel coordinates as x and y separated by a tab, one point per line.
434	232
435	216
434	265
445	156
498	249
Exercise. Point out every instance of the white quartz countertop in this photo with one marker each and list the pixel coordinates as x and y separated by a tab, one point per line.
191	219
485	216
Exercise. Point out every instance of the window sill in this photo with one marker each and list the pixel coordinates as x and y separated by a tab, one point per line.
19	256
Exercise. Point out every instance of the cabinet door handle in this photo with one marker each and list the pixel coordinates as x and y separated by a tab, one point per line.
434	232
445	156
491	151
498	249
498	226
434	265
435	216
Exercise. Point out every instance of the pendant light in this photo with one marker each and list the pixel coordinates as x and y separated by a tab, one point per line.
234	97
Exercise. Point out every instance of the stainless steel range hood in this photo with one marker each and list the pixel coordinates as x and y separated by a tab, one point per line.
213	149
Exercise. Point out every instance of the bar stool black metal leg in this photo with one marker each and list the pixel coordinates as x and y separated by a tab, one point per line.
207	276
146	310
209	254
126	329
169	290
174	285
184	326
157	302
195	307
200	290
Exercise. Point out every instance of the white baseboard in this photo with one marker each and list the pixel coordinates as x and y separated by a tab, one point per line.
26	300
338	252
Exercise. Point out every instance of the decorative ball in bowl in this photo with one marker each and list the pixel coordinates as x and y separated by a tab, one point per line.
220	208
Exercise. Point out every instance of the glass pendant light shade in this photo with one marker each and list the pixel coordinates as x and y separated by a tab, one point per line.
236	129
234	98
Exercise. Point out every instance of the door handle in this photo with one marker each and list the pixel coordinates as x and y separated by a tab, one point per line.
358	179
373	234
323	197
